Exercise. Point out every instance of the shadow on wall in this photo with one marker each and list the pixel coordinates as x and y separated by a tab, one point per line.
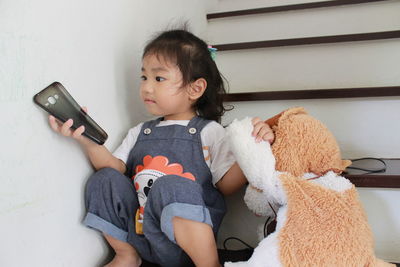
239	222
382	222
127	82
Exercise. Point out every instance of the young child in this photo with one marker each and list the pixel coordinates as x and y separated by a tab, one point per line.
182	156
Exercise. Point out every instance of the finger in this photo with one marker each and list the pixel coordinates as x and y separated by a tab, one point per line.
257	128
66	127
264	130
59	123
255	120
265	134
269	137
53	124
78	132
85	109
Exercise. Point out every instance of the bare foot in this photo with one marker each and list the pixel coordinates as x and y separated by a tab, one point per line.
125	261
125	254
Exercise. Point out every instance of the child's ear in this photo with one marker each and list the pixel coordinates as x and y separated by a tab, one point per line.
197	88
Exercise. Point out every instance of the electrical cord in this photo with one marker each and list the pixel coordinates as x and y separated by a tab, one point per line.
265	230
268	222
265	226
367	170
235	238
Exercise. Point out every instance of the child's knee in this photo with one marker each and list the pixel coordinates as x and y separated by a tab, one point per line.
103	177
176	189
106	182
106	173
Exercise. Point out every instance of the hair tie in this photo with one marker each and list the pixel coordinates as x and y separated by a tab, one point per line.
213	52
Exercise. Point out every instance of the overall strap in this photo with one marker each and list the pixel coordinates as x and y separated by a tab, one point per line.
151	124
144	131
195	126
198	123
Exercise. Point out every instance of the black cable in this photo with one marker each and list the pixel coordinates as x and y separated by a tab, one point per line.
267	222
368	171
235	238
265	226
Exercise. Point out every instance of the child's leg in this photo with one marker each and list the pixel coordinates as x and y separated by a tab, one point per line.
177	203
197	240
125	254
111	202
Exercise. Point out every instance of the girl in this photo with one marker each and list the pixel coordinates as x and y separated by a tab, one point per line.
182	157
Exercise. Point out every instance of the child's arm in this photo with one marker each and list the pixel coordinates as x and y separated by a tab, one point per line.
99	155
232	181
234	178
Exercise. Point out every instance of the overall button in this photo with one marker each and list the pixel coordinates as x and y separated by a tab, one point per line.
192	130
147	131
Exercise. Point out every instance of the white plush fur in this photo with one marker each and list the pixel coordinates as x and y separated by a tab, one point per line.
248	153
257	201
258	164
266	254
334	182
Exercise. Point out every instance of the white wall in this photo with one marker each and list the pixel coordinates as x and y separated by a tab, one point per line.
94	49
363	126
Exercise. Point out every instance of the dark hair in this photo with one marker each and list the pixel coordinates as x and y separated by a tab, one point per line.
193	59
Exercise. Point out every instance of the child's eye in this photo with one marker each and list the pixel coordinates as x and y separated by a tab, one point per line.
159	79
143	78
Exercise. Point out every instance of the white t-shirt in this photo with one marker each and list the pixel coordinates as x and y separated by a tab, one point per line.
216	150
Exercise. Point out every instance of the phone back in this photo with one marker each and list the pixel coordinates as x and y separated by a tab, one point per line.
56	100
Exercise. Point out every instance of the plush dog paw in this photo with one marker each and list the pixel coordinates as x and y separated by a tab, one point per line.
257	201
255	159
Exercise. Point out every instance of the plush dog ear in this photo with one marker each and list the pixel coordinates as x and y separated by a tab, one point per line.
274	121
345	163
303	144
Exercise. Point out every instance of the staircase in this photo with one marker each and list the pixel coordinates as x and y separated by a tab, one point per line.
338	59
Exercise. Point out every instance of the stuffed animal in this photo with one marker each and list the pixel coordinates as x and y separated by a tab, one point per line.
320	220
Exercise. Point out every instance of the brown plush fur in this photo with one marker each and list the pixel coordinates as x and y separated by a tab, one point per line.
303	144
323	227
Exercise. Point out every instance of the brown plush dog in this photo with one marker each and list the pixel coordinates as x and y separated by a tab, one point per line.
320	221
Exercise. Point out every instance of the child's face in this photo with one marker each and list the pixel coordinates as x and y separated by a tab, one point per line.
162	92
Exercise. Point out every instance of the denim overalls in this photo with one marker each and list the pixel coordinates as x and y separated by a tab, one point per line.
184	189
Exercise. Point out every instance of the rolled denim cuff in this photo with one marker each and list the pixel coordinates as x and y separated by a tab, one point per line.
187	211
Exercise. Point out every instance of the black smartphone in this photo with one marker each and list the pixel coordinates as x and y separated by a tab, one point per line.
56	100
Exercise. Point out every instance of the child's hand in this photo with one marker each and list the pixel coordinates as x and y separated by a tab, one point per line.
65	128
262	131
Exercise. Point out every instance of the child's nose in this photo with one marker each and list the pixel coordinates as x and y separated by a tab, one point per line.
146	87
